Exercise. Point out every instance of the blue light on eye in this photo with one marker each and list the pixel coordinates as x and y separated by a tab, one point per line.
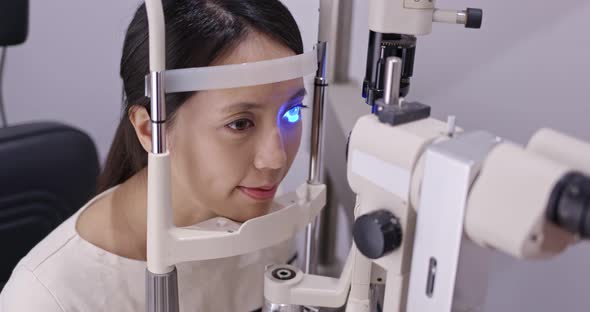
293	114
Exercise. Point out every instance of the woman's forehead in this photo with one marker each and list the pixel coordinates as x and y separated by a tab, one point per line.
263	96
225	102
269	95
278	90
255	47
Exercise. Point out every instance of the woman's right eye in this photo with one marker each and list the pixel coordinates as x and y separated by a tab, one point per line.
240	124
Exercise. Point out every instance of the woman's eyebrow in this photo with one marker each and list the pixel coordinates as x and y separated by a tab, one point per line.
240	107
299	94
245	106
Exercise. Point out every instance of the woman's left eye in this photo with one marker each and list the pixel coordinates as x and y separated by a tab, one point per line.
241	124
293	115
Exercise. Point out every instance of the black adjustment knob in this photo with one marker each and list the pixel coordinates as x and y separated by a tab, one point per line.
474	18
377	234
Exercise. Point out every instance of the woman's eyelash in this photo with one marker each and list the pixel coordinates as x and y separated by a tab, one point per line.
300	105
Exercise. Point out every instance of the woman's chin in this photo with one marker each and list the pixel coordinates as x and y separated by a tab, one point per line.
252	211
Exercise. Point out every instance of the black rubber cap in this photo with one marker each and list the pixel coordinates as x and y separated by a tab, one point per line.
377	234
284	274
408	112
474	18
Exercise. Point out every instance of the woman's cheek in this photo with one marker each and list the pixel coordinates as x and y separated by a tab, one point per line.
293	140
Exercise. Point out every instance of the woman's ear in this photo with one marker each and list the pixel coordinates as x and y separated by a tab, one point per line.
140	119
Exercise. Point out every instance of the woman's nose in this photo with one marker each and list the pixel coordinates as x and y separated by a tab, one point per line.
271	152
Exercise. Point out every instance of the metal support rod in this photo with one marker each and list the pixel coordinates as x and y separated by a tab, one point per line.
158	138
461	17
316	153
449	16
311	247
327	229
158	112
393	76
317	127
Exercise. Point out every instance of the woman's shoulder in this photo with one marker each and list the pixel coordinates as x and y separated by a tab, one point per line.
64	267
24	292
51	246
31	284
57	247
66	272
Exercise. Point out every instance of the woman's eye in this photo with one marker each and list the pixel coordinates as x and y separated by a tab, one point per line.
293	115
241	124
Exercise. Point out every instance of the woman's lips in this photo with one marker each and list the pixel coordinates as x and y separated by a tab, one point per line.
259	193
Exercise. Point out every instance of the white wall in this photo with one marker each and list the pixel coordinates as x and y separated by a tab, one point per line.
529	67
68	68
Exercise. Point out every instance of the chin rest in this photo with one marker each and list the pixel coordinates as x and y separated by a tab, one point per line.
47	172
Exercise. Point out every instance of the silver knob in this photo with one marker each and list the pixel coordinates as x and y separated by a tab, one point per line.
393	78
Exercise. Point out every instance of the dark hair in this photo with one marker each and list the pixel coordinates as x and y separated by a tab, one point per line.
197	33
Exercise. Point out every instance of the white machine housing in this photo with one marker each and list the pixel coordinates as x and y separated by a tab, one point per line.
505	203
411	17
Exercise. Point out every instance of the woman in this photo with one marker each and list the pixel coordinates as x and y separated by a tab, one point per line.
229	151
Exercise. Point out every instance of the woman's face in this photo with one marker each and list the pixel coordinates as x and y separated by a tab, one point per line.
231	148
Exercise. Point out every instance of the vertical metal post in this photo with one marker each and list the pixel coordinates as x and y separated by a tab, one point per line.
316	152
317	127
158	112
393	77
161	290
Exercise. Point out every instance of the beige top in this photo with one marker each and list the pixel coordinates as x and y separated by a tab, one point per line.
65	273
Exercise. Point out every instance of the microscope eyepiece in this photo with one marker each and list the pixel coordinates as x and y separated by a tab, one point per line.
569	205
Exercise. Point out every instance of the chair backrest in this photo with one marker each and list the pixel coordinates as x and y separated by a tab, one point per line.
47	172
14	22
